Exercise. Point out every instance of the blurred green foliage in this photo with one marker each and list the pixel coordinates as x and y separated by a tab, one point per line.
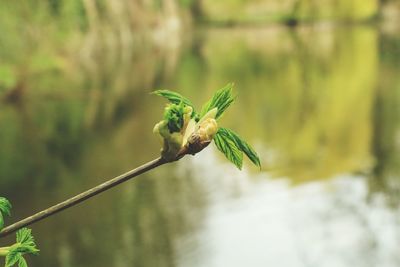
302	83
234	11
302	90
316	100
59	36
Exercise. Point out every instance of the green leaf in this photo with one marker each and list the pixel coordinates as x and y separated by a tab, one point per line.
1	222
25	245
242	145
226	144
221	100
26	242
12	258
24	236
22	262
173	97
174	116
5	206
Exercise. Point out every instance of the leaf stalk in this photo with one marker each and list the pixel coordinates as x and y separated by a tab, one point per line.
4	251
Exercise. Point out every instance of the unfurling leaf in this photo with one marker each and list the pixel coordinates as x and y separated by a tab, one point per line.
12	258
5	207
22	262
221	100
242	145
172	129
195	131
25	245
228	147
174	115
27	241
173	97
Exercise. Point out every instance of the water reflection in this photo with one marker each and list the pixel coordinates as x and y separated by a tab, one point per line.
302	86
320	103
259	221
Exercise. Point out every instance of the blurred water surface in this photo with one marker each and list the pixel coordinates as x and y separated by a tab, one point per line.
320	103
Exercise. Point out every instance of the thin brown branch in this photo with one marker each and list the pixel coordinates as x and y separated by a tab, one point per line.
82	197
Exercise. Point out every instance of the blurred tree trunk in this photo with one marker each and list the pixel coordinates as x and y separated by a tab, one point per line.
91	13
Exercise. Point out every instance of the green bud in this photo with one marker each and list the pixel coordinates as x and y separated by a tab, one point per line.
172	141
210	114
207	129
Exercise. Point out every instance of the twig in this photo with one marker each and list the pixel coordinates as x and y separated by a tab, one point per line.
82	196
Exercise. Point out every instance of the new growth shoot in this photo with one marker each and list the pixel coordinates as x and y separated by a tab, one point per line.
25	243
185	131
